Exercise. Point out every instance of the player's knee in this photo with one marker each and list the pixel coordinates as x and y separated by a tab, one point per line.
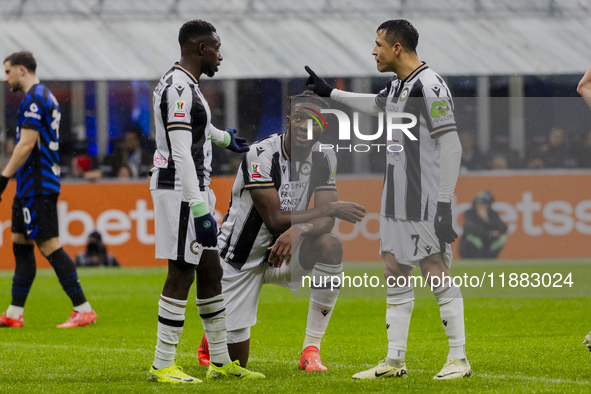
238	336
330	249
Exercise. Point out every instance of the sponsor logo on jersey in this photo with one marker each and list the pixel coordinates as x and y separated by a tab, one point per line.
55	169
54	145
255	170
439	109
29	114
160	161
34	108
179	109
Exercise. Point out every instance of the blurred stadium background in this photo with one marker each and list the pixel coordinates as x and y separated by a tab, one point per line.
512	65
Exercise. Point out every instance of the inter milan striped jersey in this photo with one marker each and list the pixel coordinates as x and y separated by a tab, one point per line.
179	105
40	175
243	239
411	181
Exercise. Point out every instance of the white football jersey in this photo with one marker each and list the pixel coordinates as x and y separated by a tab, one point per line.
411	181
243	239
179	105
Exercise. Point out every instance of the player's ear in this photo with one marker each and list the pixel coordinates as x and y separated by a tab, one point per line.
22	70
201	48
287	121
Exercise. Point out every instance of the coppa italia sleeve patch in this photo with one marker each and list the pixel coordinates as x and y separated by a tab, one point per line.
179	109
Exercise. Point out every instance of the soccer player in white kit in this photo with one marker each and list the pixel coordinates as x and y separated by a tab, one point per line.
416	218
185	230
269	235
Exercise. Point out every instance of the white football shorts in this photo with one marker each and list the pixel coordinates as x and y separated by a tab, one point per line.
241	289
174	228
410	241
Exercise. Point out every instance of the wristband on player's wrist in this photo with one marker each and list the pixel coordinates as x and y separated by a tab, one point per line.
199	209
3	183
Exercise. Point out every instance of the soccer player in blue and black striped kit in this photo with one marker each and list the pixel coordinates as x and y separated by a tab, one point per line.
35	161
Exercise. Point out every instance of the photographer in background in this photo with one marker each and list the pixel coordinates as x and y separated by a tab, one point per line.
96	253
484	231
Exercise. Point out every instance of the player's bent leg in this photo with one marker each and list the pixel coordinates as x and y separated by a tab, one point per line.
67	275
324	255
451	309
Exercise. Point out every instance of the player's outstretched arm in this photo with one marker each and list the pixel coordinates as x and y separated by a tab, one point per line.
21	152
584	88
360	101
449	163
228	139
267	203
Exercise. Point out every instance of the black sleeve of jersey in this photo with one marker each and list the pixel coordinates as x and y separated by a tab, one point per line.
321	177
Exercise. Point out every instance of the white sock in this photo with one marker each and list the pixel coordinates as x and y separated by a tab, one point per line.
322	302
171	318
213	317
14	312
400	303
84	308
451	309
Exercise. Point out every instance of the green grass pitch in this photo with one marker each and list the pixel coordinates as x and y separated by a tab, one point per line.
514	344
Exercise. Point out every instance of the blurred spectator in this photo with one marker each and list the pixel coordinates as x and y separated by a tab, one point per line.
6	153
535	161
124	172
472	159
498	161
96	253
130	154
484	231
582	152
80	168
555	153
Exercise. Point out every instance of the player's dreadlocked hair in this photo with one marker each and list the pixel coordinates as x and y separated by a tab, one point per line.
23	58
401	31
195	29
308	96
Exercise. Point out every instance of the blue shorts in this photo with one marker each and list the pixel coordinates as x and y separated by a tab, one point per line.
36	217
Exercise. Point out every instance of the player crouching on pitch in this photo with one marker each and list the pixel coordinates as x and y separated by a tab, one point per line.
270	236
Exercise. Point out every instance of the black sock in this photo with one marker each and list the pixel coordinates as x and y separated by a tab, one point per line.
24	273
67	275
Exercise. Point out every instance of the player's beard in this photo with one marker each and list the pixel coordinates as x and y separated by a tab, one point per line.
15	87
